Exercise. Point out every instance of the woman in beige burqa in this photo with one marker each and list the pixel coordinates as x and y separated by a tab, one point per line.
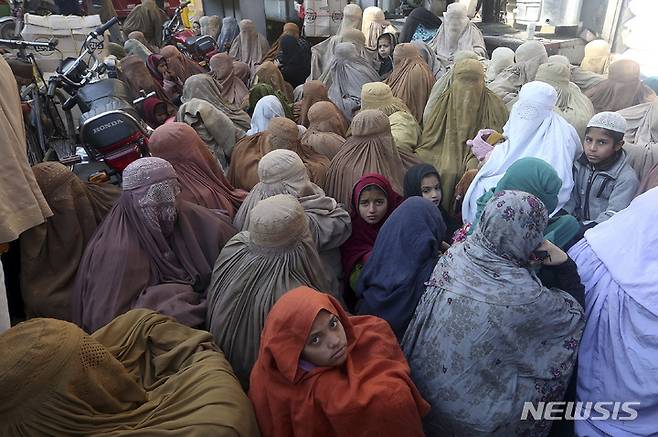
274	255
283	172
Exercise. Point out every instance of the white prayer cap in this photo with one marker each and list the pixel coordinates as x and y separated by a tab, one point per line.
609	120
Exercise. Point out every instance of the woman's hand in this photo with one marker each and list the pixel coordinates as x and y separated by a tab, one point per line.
556	256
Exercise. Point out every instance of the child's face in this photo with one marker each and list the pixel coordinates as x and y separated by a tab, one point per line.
161	114
326	345
599	146
431	189
372	206
384	47
163	68
196	27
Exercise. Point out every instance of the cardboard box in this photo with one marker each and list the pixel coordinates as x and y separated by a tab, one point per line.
70	30
323	17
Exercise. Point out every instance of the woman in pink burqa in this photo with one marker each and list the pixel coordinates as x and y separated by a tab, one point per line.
153	250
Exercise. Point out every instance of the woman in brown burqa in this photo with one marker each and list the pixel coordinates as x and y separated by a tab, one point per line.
180	65
142	374
51	252
234	90
147	18
460	112
411	79
153	250
201	179
270	74
275	254
370	149
312	92
622	89
325	133
281	133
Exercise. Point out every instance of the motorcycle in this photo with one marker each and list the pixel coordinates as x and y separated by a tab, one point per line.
197	48
110	129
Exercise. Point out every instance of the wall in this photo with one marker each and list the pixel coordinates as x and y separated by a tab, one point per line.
593	14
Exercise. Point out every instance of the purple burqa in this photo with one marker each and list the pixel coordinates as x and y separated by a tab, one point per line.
618	266
152	251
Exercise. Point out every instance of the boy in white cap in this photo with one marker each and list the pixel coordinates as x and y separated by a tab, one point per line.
604	181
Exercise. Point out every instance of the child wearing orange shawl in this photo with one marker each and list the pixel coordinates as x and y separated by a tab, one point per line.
323	373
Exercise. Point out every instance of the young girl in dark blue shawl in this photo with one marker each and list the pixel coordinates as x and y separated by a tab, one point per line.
405	252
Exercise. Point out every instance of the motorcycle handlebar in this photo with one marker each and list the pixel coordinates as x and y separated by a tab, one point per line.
37	45
100	30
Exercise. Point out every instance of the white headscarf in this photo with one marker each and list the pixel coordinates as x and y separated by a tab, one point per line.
533	130
266	109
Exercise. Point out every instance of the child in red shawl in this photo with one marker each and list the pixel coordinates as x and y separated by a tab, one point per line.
322	373
373	200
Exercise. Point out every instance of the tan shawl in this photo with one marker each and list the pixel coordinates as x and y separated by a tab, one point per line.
411	79
325	132
281	133
213	126
234	91
284	134
142	374
584	79
529	56
374	24
461	111
597	57
243	171
23	205
249	46
283	172
622	89
204	87
641	137
51	252
370	149
312	92
147	18
255	268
